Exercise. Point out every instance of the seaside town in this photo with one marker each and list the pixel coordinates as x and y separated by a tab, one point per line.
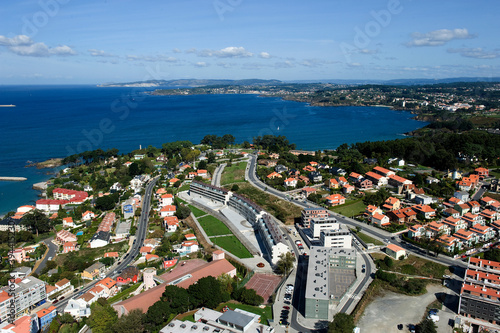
256	237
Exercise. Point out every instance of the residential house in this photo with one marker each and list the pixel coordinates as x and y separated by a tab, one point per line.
468	238
462	209
50	290
69	247
455	224
308	190
68	222
63	285
64	236
274	175
474	207
364	184
45	317
395	251
397	181
337	171
489	215
88	215
449	243
116	187
169	262
109	286
354	177
166	200
424	211
173	181
370	210
416	231
171	223
308	168
291	182
48	205
383	171
187	247
376	178
128	275
315	177
451	212
335	200
98	292
100	239
88	298
93	271
472	219
392	204
431	180
423	199
332	183
484	233
77	308
380	219
482	172
487	201
342	181
190	237
111	255
396	216
435	229
347	188
20	272
168	210
267	163
304	179
464	185
462	196
145	250
18	255
280	168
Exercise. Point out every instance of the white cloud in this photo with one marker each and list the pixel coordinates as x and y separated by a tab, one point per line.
368	51
224	64
227	52
100	53
438	37
284	64
354	64
157	58
201	64
176	50
477	53
25	46
264	55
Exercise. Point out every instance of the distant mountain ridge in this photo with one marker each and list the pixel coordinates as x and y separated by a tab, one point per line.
193	83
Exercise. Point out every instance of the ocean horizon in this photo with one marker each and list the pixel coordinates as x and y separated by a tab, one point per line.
58	121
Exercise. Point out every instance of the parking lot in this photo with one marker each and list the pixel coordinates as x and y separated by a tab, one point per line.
385	313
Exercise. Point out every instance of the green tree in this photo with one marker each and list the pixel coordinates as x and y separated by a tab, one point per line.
177	299
388	261
130	323
102	317
209	292
182	212
36	221
156	316
342	323
285	263
427	326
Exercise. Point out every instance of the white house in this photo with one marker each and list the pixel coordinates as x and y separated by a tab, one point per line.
77	308
188	247
166	200
88	215
168	210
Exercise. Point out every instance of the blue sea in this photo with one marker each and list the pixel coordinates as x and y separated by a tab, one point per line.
57	121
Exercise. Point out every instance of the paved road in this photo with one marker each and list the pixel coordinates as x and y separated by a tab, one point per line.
139	235
51	254
218	175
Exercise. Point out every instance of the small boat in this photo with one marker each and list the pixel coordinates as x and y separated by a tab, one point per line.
8	106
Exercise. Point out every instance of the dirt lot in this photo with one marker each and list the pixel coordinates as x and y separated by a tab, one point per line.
386	312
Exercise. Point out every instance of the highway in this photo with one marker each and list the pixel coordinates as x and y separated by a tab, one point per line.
53	248
130	256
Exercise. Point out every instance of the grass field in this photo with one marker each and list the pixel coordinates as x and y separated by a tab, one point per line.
232	245
196	212
350	209
414	265
234	174
281	209
213	226
367	239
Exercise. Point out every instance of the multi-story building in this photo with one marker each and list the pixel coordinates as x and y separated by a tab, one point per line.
325	264
309	213
337	238
480	293
323	223
27	293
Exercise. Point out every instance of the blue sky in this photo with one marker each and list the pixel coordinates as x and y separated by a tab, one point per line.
91	42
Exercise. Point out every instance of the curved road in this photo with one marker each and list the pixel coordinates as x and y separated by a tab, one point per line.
130	256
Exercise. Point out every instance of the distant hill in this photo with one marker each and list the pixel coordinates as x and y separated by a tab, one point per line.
193	83
403	82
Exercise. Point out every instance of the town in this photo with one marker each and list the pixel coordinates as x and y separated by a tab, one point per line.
256	237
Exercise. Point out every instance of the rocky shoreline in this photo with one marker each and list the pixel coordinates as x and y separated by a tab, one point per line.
48	164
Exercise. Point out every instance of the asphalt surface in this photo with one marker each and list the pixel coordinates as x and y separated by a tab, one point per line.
140	235
51	254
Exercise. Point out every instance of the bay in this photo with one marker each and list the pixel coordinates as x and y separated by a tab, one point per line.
57	121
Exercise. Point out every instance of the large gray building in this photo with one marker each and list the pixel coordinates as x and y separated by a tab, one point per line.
480	294
28	293
330	273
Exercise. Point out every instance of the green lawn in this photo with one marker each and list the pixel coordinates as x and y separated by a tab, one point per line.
123	294
367	239
234	174
350	209
232	245
213	226
414	265
196	212
265	313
